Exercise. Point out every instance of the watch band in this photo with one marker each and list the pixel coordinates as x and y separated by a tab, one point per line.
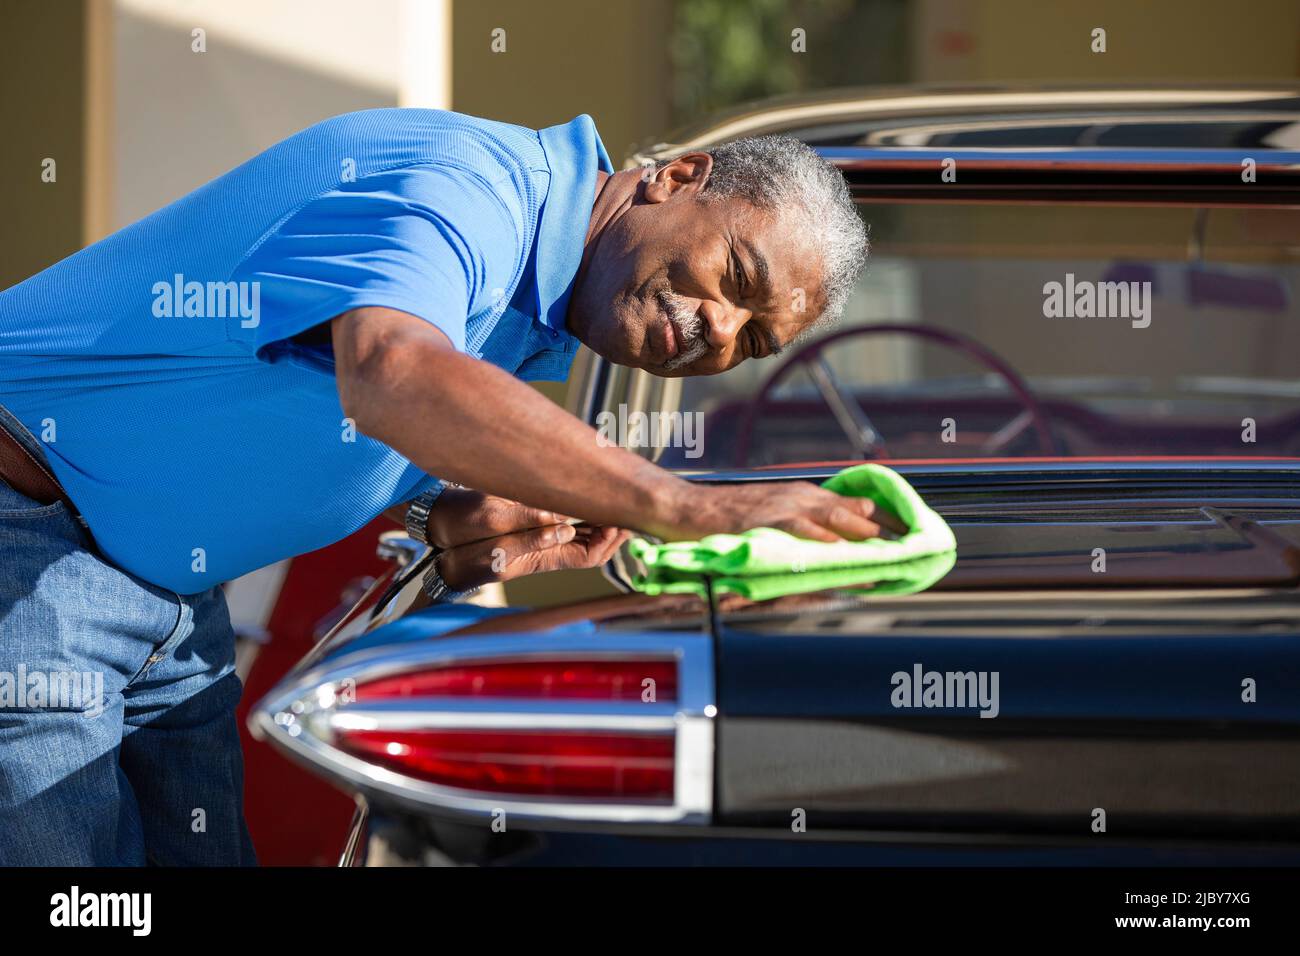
436	588
417	512
417	526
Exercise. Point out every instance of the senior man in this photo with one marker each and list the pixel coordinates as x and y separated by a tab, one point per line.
265	365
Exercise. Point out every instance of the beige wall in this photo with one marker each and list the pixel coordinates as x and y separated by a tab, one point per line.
269	70
1050	40
42	109
609	59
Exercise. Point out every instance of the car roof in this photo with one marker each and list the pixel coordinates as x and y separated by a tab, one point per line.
1157	145
1254	116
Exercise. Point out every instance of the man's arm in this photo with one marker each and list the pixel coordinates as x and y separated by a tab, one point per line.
403	383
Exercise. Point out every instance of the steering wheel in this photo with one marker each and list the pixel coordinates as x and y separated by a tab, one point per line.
866	440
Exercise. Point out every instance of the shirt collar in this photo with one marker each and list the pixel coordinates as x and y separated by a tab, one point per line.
574	153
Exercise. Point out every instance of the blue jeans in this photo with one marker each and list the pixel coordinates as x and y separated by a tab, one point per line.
118	742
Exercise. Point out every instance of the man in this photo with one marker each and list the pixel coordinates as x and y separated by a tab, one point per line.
263	366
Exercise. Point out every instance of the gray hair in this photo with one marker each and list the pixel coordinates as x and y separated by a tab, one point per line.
783	173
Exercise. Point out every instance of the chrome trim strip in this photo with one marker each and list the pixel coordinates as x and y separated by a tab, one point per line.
352	847
445	719
1075	468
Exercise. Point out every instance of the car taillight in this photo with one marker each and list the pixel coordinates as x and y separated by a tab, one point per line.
589	726
566	680
569	764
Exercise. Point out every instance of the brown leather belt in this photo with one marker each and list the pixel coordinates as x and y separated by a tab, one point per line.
26	475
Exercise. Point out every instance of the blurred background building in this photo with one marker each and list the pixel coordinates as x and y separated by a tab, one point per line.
140	101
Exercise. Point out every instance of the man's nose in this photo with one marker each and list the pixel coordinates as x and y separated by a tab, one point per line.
722	323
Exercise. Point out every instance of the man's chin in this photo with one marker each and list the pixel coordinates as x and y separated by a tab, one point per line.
625	359
639	362
654	368
611	351
622	353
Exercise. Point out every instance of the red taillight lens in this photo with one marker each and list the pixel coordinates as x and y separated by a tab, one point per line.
564	680
570	764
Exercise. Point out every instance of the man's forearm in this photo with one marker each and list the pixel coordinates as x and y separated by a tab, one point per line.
467	421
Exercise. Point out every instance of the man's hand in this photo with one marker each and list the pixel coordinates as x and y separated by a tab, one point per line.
486	538
462	515
799	507
555	547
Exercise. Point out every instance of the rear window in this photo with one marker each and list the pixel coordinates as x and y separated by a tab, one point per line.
1027	330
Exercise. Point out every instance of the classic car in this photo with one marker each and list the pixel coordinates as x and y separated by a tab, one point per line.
1078	339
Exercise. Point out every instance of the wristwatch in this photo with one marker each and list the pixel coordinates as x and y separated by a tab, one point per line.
417	526
417	513
436	588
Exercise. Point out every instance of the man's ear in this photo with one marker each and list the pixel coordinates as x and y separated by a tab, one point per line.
688	172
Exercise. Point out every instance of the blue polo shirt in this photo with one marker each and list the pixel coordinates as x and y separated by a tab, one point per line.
199	439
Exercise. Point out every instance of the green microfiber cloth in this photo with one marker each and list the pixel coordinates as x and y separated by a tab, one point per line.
772	563
904	577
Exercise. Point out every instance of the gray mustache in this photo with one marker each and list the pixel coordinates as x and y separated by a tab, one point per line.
689	325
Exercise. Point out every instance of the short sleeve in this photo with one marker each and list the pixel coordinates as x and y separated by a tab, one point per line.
429	240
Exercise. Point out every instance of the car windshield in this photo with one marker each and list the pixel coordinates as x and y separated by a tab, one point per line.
984	330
